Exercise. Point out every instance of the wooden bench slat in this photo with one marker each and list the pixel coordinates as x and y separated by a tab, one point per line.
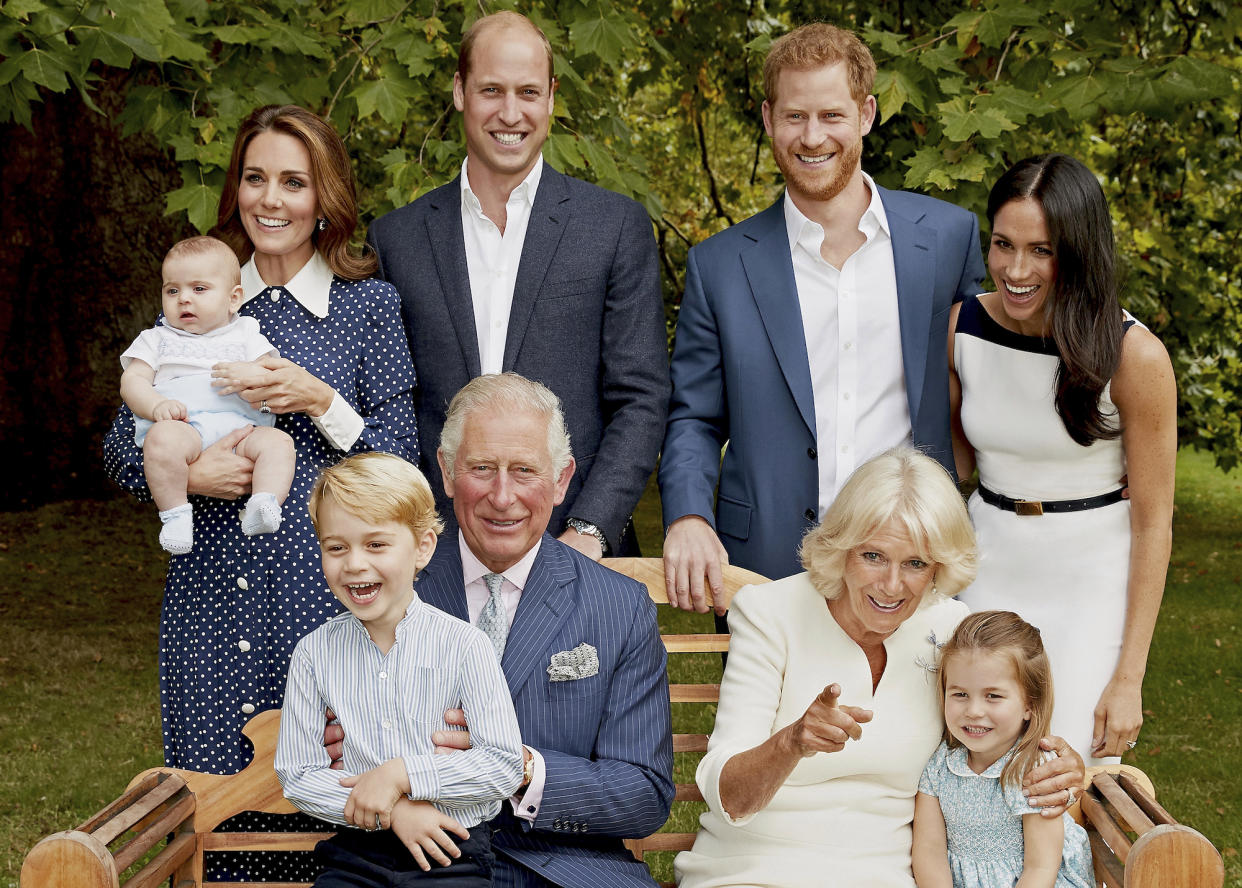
160	867
108	811
1127	810
1149	805
1107	868
696	644
115	820
687	792
1101	822
694	693
689	743
133	850
263	841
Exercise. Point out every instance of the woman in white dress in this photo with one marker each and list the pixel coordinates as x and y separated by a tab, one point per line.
828	706
1057	395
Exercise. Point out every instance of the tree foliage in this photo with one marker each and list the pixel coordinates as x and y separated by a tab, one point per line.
661	100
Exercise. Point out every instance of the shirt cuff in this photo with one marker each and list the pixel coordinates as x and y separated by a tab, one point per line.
340	424
526	804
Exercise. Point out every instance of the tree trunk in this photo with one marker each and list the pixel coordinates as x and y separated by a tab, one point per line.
84	235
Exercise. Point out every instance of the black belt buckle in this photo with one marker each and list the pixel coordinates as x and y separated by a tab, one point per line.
1028	508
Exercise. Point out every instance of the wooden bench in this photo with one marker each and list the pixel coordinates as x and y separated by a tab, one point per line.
161	828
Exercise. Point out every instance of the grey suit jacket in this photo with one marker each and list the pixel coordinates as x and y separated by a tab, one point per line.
587	322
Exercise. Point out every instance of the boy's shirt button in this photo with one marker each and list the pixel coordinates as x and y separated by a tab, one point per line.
247	708
243	645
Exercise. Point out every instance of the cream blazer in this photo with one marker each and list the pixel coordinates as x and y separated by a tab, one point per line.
841	818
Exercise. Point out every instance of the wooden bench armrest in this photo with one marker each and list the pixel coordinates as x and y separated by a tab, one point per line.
1136	843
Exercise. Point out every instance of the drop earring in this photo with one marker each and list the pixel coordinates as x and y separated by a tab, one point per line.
323	224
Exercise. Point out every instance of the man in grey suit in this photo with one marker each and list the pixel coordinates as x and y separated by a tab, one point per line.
514	266
812	336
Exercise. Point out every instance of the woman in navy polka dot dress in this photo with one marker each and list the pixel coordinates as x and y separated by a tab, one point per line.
235	606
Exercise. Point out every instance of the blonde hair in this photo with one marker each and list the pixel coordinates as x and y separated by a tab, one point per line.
899	485
378	487
331	174
508	392
1008	635
818	45
499	21
203	245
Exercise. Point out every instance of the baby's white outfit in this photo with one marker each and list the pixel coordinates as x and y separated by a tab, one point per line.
182	362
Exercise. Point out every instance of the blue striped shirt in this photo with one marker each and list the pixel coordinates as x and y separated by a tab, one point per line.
389	704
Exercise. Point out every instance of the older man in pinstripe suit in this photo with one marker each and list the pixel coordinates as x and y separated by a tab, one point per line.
579	646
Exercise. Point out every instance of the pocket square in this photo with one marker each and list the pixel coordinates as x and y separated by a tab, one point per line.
581	662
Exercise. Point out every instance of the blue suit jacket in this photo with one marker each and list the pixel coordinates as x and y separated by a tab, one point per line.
587	322
741	373
606	740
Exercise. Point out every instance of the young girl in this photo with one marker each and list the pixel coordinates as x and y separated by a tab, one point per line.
972	826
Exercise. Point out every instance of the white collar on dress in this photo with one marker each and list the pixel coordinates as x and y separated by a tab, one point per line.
310	286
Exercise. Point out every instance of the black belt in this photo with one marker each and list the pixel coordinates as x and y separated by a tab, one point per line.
1037	507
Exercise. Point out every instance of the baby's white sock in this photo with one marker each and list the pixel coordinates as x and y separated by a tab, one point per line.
177	534
262	514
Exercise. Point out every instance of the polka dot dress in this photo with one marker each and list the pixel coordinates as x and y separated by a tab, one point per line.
235	606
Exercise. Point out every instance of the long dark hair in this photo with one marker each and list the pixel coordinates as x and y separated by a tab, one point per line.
1082	312
334	186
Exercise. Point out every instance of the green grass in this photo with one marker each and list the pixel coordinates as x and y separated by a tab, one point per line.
79	688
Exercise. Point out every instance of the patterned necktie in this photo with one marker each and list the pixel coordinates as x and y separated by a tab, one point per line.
492	619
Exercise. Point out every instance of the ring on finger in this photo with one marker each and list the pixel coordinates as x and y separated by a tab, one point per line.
1070	797
263	408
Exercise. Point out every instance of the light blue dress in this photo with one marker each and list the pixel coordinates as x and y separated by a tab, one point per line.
983	822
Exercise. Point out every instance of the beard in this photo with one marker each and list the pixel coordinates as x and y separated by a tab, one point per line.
817	185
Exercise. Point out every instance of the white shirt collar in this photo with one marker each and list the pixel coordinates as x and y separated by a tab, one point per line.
310	286
810	234
473	569
525	189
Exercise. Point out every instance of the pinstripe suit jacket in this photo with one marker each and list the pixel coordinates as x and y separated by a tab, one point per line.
606	740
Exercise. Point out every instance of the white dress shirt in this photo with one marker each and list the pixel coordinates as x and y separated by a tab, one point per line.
310	287
525	804
389	705
492	260
853	343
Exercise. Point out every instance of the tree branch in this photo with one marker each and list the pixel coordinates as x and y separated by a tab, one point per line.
705	161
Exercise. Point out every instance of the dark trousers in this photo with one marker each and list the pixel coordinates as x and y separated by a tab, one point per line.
358	859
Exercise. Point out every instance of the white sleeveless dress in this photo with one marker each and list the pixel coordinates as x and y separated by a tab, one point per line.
1066	574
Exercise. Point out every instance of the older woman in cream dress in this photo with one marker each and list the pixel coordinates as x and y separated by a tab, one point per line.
828	707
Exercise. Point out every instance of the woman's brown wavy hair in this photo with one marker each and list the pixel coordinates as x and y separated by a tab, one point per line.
333	179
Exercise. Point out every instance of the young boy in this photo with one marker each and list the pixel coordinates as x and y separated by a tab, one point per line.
167	383
389	669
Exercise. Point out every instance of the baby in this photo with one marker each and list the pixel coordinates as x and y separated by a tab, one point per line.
167	384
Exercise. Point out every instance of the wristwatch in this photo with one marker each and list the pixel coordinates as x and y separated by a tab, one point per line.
588	529
528	770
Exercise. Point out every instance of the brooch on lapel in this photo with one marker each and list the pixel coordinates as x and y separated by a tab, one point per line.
581	662
930	665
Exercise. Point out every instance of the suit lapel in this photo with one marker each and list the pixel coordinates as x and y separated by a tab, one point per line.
548	219
769	270
448	249
440	583
914	262
545	604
